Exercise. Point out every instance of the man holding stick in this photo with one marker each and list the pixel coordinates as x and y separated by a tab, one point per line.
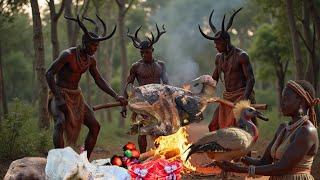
237	71
66	103
147	71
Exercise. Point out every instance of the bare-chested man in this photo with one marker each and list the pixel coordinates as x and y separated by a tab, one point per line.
237	70
66	103
146	71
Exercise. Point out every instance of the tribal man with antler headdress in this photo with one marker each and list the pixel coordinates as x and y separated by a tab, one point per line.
147	70
66	103
238	75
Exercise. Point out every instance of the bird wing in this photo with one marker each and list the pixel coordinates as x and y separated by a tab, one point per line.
228	139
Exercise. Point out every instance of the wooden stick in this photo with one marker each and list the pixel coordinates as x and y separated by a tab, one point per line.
105	106
231	104
146	155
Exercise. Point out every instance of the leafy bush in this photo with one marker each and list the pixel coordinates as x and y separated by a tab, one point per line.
20	135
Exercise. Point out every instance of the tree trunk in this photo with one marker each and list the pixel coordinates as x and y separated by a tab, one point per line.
76	28
70	24
316	60
281	70
54	30
54	17
3	98
241	37
108	75
34	83
54	39
312	73
280	87
295	40
123	53
315	16
40	65
307	37
316	63
108	61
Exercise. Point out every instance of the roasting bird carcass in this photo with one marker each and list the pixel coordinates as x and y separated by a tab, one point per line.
160	110
234	142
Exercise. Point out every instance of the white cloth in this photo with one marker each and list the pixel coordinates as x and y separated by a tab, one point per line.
67	164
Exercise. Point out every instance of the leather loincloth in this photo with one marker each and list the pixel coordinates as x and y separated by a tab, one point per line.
223	116
74	116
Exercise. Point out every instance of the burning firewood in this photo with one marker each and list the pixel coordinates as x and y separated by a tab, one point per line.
171	148
146	155
171	153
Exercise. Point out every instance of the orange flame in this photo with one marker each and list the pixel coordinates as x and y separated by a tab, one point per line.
173	147
186	87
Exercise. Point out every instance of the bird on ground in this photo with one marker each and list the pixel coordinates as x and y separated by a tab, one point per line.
234	142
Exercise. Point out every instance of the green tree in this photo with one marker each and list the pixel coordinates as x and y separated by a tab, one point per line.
40	65
54	17
7	9
124	59
270	49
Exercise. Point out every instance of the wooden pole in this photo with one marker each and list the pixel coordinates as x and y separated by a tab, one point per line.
231	104
105	106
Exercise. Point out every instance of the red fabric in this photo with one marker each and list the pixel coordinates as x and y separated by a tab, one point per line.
142	171
169	170
222	118
160	169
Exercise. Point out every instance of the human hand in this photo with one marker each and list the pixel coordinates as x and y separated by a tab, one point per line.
228	166
124	112
245	160
123	101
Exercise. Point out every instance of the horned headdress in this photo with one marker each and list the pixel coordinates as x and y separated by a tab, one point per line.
93	36
223	33
145	44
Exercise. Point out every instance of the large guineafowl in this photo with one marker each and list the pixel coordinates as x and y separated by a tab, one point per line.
233	142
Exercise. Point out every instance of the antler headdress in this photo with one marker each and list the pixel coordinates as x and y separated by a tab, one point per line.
223	33
138	43
90	34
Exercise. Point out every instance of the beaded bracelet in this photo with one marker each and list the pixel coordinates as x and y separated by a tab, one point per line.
251	171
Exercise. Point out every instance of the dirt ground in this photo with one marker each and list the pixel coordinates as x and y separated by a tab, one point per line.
195	131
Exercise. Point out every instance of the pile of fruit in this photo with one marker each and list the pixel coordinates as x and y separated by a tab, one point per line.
130	156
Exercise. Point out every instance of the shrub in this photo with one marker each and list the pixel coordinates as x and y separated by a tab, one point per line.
20	135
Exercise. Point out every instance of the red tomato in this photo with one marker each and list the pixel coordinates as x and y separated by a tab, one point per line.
129	146
116	160
135	153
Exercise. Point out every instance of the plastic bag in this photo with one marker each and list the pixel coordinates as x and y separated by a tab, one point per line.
66	164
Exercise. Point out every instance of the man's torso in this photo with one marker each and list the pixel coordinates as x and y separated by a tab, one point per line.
234	77
148	73
70	74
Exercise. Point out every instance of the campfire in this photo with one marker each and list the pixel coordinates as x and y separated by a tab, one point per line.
171	148
186	86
